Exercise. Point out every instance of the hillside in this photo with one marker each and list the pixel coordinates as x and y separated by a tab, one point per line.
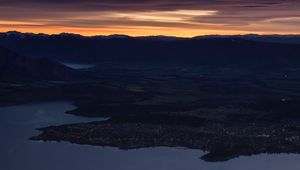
14	67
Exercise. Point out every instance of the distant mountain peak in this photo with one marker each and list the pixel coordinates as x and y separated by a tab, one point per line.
289	38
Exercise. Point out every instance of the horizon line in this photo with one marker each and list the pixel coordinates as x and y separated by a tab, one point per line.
158	35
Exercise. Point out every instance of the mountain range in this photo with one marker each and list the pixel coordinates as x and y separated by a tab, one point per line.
27	56
240	51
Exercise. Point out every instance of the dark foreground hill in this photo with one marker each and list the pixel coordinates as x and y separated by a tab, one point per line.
14	67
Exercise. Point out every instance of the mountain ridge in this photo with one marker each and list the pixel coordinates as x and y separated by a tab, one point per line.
14	67
204	51
152	36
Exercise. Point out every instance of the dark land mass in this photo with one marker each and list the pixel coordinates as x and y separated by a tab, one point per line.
238	51
15	67
226	114
224	109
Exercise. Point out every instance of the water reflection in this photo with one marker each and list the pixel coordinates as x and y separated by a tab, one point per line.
79	66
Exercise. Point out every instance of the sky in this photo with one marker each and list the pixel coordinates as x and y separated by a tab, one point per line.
183	18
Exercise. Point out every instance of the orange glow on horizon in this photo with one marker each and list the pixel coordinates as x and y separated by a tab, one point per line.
136	31
180	23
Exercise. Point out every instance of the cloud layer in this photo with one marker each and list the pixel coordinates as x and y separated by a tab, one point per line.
151	17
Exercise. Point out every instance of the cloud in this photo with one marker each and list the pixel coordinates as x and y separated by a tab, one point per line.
237	16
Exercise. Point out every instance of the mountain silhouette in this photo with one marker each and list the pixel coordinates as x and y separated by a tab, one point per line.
239	51
14	67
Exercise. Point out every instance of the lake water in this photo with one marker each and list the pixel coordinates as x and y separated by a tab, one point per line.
79	66
18	123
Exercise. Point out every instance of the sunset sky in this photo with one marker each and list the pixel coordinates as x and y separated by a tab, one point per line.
183	18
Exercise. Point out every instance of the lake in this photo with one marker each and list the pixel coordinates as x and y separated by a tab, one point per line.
18	123
79	66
